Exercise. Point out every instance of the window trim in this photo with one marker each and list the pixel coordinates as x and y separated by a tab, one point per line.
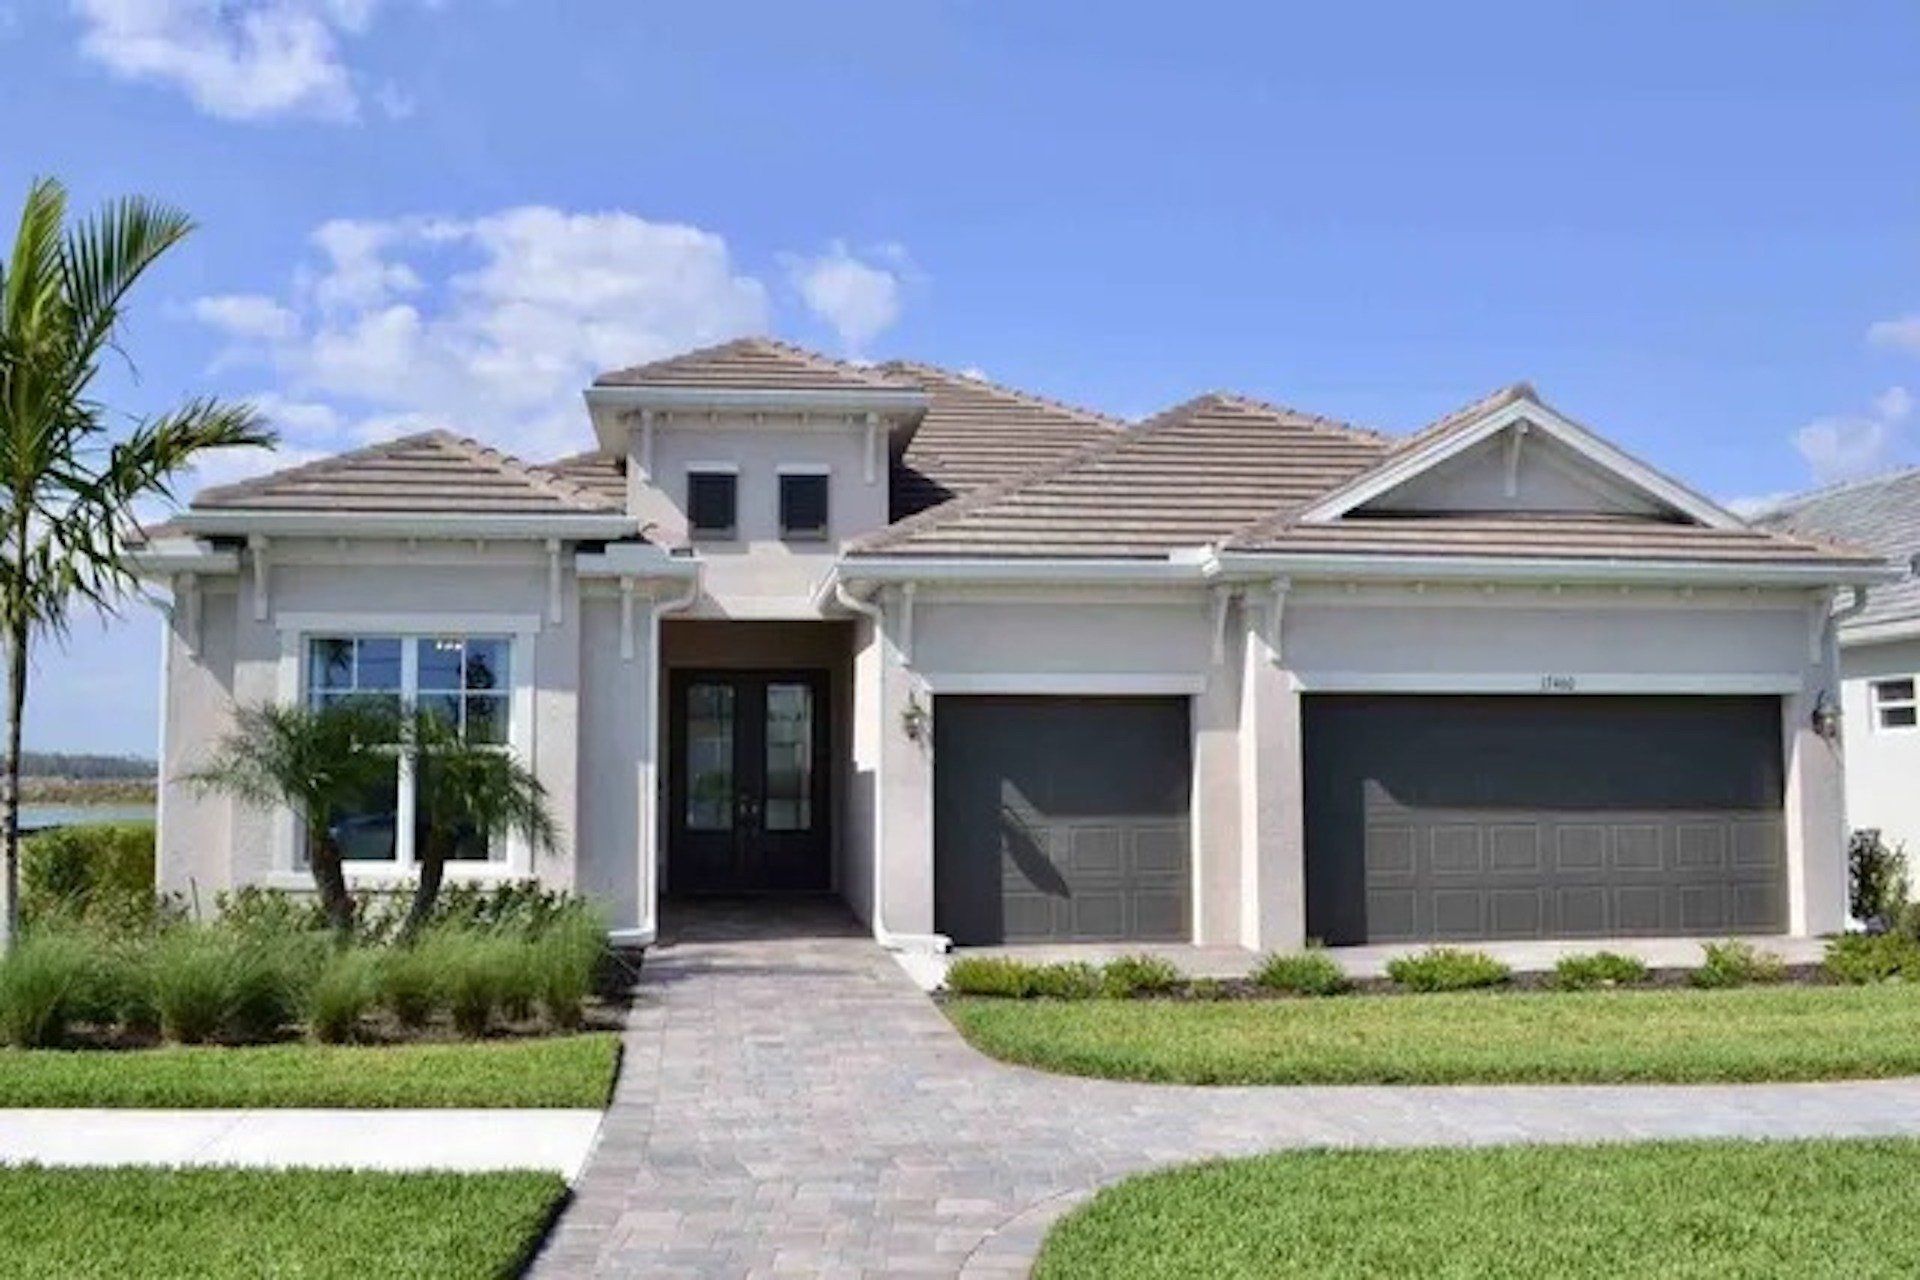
1876	704
806	470
731	471
518	630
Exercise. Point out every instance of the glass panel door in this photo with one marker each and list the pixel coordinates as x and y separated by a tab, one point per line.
789	757
710	781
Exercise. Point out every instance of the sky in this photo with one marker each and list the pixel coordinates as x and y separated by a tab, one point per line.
1692	227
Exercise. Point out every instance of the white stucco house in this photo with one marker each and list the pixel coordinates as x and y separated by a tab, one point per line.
1879	647
993	668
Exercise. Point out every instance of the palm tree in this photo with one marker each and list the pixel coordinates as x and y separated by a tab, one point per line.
465	792
67	488
320	762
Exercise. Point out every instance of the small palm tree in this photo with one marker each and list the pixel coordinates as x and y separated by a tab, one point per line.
67	487
319	762
465	791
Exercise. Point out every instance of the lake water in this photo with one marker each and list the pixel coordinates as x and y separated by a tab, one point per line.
71	815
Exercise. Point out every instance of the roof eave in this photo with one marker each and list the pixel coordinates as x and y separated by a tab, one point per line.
241	522
1567	570
611	428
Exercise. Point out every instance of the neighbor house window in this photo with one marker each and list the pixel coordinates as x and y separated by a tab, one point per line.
803	504
467	681
1894	706
711	502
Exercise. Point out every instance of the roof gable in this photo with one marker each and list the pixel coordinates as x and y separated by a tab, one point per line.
1620	483
435	472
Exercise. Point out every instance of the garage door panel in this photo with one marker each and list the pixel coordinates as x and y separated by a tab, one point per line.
1461	817
1061	819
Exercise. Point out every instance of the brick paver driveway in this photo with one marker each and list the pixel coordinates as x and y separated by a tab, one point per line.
791	1104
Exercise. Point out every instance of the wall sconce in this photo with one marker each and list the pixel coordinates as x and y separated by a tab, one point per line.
1826	717
915	720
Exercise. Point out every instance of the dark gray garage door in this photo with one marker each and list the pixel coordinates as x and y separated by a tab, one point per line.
1537	817
1060	819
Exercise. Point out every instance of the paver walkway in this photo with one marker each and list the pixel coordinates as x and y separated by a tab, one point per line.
466	1141
791	1104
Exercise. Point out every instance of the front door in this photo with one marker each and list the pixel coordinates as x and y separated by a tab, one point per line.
747	782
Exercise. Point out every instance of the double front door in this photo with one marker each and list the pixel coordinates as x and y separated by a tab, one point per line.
748	773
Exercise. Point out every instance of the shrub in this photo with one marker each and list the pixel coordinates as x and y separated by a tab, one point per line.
1598	969
192	983
1139	975
341	994
1207	989
1735	964
476	974
44	981
100	876
564	960
1074	980
1307	973
1447	969
1876	878
1862	957
209	980
991	976
265	914
410	986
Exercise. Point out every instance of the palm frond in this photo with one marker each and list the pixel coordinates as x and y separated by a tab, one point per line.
104	257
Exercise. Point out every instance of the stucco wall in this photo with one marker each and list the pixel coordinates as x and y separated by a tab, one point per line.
1883	765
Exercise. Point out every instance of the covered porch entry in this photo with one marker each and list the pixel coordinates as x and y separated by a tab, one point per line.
755	742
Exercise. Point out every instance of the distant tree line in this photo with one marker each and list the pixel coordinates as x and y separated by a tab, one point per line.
63	764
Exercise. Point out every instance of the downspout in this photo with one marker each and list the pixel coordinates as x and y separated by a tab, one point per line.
649	928
884	936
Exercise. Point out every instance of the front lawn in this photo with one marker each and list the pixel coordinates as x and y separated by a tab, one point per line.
559	1071
1756	1033
312	1224
1676	1210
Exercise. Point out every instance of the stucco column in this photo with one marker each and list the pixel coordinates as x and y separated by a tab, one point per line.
1216	799
1273	902
1815	802
893	781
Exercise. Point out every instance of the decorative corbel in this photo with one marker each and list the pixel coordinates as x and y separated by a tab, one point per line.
646	443
553	579
626	618
186	602
1516	434
1277	615
906	622
257	549
873	447
1222	597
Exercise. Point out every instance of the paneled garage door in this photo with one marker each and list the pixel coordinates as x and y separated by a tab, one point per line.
1060	819
1460	818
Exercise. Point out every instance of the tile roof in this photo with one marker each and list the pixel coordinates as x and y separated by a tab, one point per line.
1882	514
754	364
433	472
976	433
602	474
1191	475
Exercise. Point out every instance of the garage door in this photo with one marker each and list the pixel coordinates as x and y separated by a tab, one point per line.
1060	819
1457	818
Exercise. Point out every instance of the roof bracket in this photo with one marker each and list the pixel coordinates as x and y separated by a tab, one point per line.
873	448
257	546
1516	436
187	602
1277	615
626	617
553	579
1222	597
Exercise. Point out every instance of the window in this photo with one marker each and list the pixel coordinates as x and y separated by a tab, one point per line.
803	505
711	502
466	680
1894	706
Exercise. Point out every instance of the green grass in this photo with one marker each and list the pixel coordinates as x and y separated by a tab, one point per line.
1759	1033
294	1223
1698	1211
560	1071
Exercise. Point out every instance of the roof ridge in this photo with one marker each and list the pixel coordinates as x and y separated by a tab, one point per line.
924	368
817	360
560	487
1301	417
253	484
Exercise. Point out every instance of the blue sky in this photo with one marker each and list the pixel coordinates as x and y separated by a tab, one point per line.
1691	226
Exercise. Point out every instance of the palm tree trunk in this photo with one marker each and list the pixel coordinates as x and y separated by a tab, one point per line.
329	877
433	870
10	787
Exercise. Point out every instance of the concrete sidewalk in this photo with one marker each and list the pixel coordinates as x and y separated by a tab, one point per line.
462	1141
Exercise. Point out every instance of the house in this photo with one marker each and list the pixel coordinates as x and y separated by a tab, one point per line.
994	668
1879	647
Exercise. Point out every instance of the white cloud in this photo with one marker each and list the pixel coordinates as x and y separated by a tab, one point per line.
489	326
1845	448
1902	333
236	59
859	300
1758	504
1894	404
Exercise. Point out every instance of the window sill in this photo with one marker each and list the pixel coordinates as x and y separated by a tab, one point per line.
365	877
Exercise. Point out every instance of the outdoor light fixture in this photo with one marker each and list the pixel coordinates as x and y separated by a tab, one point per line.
1826	717
915	719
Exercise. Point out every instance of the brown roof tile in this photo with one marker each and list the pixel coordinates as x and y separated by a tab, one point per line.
754	364
433	472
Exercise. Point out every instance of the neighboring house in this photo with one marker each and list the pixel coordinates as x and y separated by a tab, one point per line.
1879	648
991	668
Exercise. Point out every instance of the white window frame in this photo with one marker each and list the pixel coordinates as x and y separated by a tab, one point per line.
1876	704
519	630
730	469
